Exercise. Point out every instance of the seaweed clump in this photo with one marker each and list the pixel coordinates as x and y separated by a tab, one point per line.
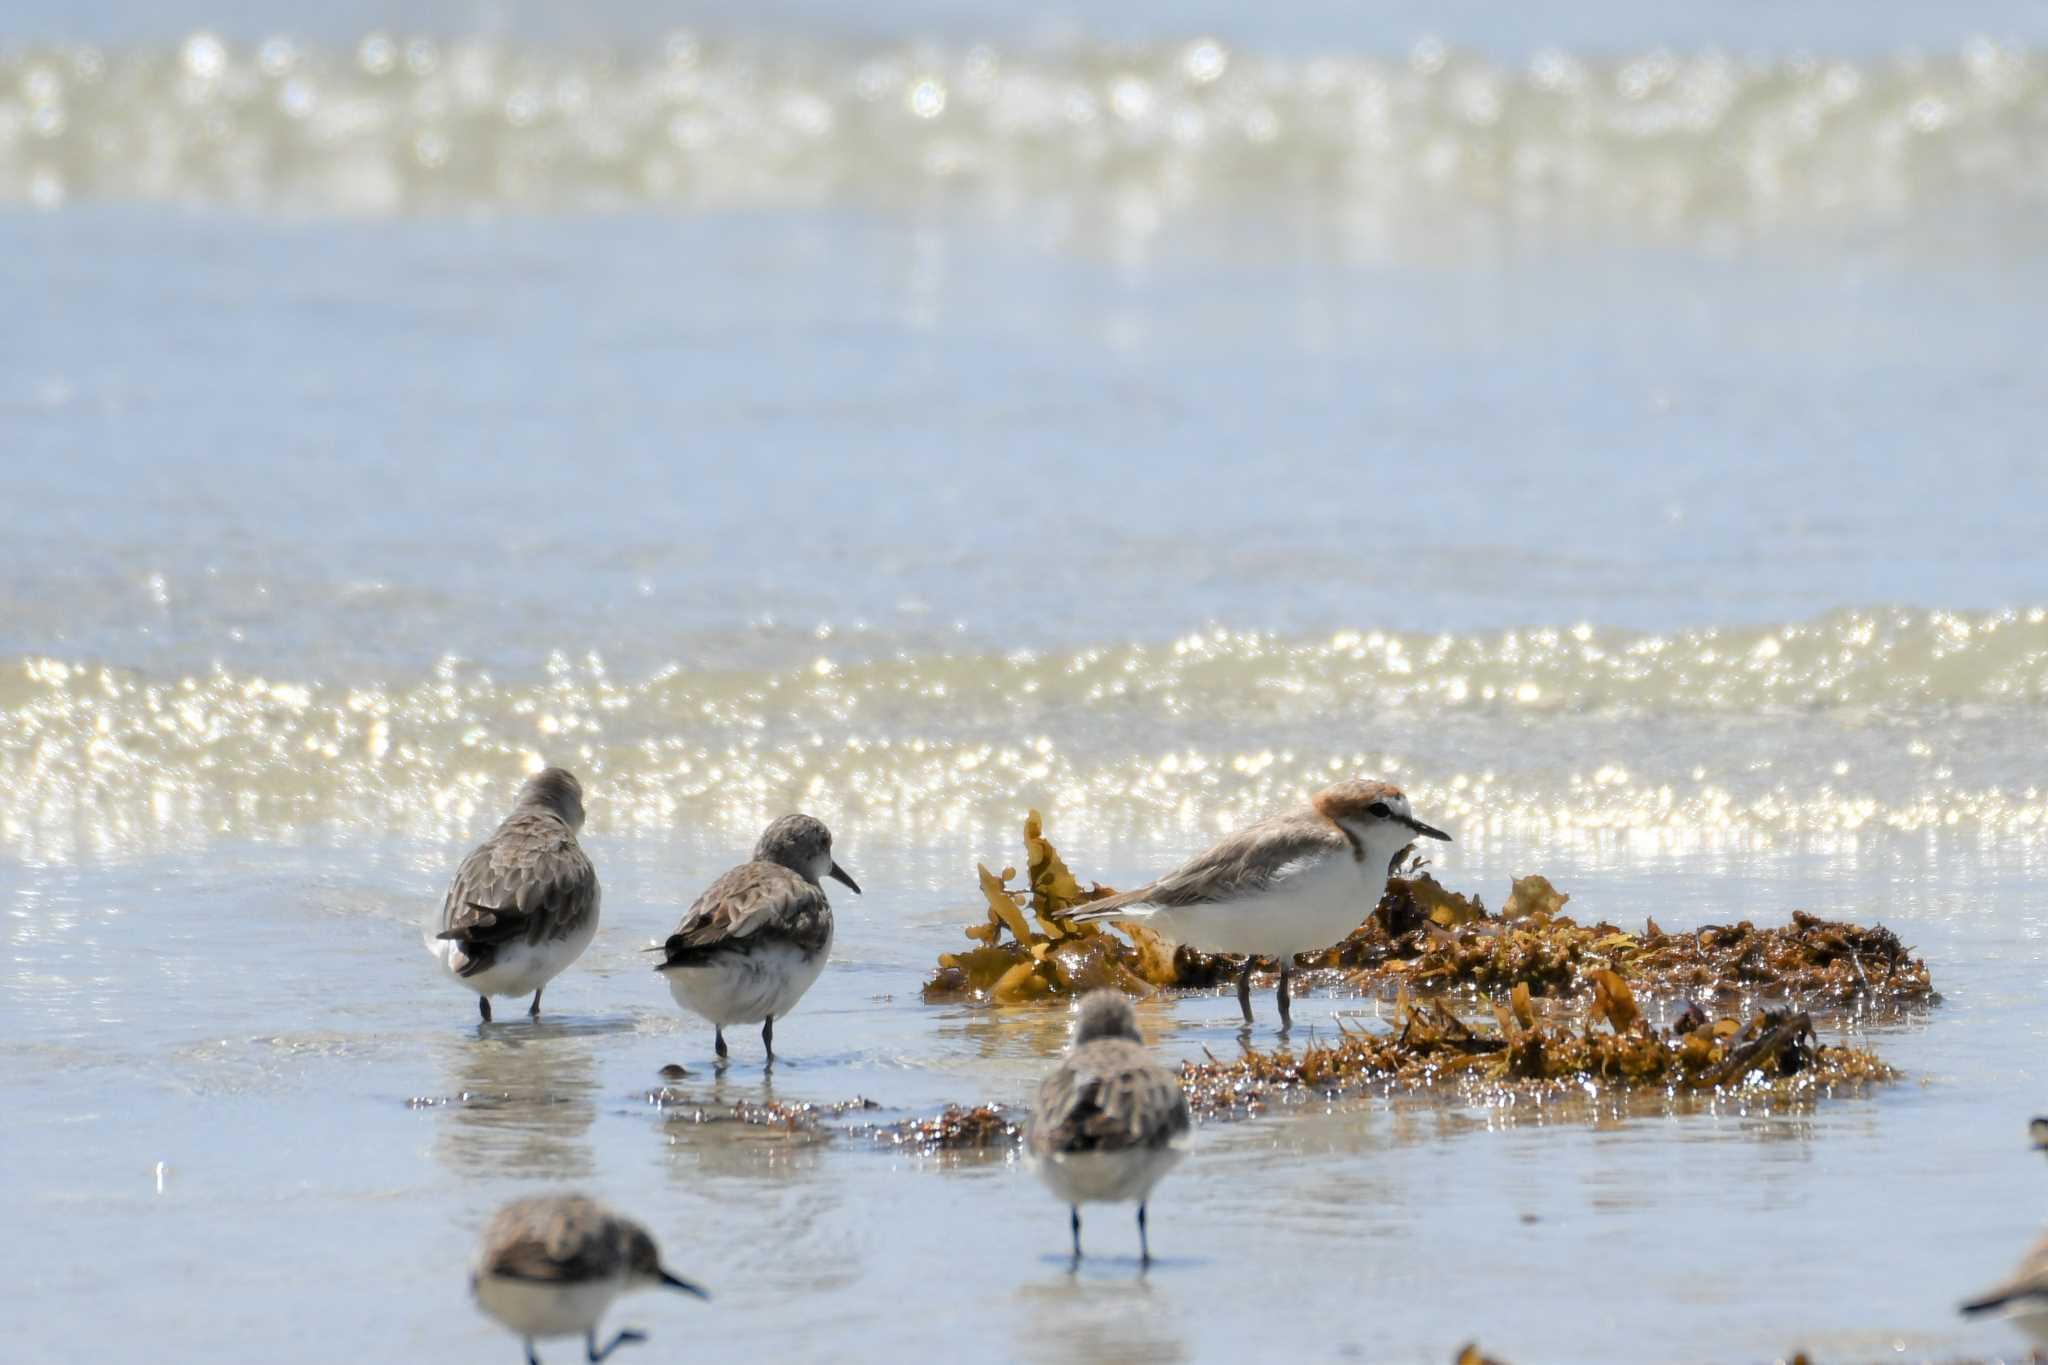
1433	939
1774	1052
958	1128
799	1122
985	1127
1025	953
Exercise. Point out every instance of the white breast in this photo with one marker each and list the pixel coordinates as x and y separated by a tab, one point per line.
547	1310
746	988
1310	904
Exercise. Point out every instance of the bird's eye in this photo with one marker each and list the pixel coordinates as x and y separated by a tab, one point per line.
1378	808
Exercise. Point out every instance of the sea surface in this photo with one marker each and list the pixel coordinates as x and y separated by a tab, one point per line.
1621	426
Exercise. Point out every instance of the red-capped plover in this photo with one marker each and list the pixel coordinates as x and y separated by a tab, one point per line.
1287	885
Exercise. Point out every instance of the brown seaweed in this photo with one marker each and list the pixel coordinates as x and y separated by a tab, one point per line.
957	1128
1614	1049
1043	957
1531	943
984	1127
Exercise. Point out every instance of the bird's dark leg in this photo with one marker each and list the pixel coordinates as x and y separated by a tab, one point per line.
1244	990
533	1010
768	1036
1144	1246
590	1343
1074	1211
483	1007
1286	970
531	1358
718	1040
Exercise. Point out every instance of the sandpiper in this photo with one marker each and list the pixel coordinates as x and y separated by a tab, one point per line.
755	941
1109	1121
523	905
1287	885
2023	1297
550	1266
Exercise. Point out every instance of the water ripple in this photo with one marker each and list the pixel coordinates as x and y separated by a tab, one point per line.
1899	720
1128	138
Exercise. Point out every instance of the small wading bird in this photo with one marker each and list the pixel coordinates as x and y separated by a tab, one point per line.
551	1266
1289	884
523	905
1109	1121
2023	1298
758	937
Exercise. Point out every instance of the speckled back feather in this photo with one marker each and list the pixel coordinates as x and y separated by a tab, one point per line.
754	903
1108	1095
530	881
557	1239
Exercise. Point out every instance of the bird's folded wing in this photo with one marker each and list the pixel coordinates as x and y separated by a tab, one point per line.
1110	1103
530	879
740	904
1244	864
2009	1295
572	1245
2028	1284
479	923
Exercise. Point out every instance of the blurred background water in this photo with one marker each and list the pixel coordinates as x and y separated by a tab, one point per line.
1618	424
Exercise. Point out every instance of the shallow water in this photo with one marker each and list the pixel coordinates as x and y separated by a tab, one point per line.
1630	450
329	1121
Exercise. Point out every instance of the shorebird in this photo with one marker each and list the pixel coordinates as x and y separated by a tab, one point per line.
1287	885
1109	1121
550	1266
755	941
524	903
2023	1297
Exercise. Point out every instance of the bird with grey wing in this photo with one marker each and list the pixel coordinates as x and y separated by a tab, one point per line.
758	937
523	905
1292	883
551	1265
2022	1298
1109	1121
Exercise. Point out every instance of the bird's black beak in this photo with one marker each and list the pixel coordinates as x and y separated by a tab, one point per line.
1427	831
676	1282
838	874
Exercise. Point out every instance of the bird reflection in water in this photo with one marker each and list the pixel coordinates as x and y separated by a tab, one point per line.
520	1101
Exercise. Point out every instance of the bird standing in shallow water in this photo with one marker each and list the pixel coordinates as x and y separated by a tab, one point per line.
2022	1298
523	905
1109	1120
1289	884
759	936
550	1266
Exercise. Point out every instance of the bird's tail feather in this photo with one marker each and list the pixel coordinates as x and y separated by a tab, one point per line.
1124	905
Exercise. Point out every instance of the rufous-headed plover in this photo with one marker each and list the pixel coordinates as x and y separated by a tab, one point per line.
1287	885
524	903
1109	1121
2022	1298
755	941
551	1265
